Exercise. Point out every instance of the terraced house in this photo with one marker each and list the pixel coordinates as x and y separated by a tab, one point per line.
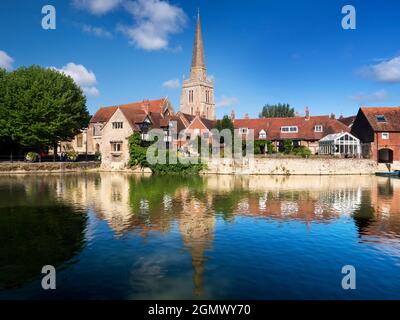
302	130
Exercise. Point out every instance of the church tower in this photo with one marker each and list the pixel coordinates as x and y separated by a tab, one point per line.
198	92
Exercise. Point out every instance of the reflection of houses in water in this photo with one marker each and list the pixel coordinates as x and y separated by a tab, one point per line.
314	198
342	202
107	194
381	218
130	203
197	224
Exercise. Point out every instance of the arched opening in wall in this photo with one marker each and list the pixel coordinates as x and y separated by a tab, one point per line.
97	148
385	156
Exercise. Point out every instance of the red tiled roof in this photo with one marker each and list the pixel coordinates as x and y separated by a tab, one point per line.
391	114
103	114
134	116
306	131
348	121
155	106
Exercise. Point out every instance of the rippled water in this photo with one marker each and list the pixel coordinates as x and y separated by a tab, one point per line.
119	236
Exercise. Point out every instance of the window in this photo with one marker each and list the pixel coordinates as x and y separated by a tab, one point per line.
116	146
385	135
262	134
207	96
318	128
380	118
117	125
290	129
190	95
243	130
96	130
206	135
79	140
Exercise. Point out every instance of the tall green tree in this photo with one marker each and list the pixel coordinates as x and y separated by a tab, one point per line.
40	107
277	111
225	123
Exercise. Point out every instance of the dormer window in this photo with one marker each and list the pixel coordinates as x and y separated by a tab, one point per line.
318	128
289	129
262	135
380	119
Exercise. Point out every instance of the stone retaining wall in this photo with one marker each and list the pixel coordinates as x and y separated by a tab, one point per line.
290	166
45	167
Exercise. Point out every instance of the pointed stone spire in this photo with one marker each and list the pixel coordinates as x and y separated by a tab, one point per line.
198	70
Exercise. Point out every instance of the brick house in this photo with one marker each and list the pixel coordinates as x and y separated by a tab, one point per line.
379	131
303	131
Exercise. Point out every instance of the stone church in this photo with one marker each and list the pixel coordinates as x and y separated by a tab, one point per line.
198	92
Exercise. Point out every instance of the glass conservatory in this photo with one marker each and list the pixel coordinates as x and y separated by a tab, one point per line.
340	144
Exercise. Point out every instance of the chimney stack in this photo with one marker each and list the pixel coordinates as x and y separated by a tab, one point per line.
246	116
307	113
333	116
233	115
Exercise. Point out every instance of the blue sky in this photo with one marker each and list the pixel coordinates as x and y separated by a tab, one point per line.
258	51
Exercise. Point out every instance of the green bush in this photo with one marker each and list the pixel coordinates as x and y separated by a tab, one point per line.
138	152
302	151
270	147
259	147
32	157
287	146
72	155
98	156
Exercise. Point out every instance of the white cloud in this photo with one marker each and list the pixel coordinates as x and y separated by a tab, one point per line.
155	21
211	77
5	60
227	102
84	78
172	84
98	7
96	31
375	96
385	71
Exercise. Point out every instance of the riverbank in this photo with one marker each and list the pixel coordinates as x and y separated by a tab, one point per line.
47	167
259	166
296	166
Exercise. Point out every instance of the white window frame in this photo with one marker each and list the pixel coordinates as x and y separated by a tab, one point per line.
385	136
262	134
288	129
319	128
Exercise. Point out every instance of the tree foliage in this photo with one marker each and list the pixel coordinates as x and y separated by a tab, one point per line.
277	111
40	107
138	153
225	123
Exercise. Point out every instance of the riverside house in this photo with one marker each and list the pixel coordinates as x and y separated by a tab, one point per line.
111	127
302	130
378	129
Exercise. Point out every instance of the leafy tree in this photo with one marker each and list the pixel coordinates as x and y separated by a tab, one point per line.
277	111
225	123
40	107
287	146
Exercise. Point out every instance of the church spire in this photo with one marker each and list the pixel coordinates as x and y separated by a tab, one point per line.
198	69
